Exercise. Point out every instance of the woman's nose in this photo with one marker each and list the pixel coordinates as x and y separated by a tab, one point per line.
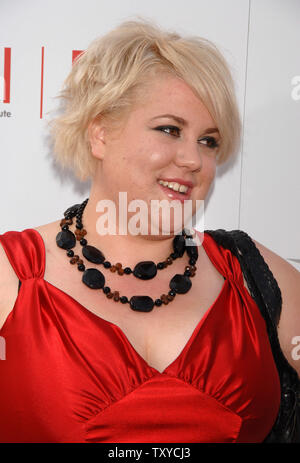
189	156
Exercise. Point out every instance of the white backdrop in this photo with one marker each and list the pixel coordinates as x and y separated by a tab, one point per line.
258	193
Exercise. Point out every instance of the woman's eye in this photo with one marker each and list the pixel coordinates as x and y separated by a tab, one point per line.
211	142
169	129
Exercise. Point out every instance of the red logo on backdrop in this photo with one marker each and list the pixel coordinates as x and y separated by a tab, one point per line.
75	54
6	78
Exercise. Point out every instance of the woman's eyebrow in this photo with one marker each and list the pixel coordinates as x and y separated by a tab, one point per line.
178	119
183	122
212	130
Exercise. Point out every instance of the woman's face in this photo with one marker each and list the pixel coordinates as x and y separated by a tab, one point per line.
165	137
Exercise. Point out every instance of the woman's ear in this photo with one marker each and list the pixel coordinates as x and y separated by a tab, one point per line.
96	136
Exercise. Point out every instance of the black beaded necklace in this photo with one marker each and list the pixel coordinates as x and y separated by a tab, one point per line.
145	270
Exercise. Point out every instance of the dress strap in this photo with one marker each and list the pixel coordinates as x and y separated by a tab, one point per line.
223	259
257	273
25	251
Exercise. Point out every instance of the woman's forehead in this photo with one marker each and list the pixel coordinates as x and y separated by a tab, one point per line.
170	95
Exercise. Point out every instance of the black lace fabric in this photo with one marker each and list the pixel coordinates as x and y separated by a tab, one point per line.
265	291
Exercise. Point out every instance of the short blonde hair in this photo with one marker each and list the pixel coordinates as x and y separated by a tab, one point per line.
106	78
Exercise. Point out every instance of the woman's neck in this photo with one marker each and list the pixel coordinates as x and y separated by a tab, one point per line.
125	248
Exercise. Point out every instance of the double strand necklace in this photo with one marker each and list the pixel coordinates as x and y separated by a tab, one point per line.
145	270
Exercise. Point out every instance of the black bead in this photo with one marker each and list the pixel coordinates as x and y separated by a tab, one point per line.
191	249
65	227
65	239
158	302
106	289
179	245
81	267
71	211
93	278
83	242
145	270
174	255
187	273
127	270
192	261
180	284
141	303
79	225
93	254
172	293
160	265
123	299
70	253
107	264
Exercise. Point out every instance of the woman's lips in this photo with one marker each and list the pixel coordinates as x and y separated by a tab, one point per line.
175	194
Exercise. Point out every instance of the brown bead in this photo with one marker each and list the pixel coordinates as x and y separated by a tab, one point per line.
192	268
80	261
164	299
118	265
120	271
116	295
80	234
66	222
113	268
169	260
109	295
170	298
74	259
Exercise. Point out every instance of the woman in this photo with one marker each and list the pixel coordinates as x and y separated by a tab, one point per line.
146	112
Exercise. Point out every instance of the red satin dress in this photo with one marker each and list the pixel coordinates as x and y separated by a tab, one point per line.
71	376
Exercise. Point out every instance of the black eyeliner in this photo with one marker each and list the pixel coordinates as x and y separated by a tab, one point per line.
214	142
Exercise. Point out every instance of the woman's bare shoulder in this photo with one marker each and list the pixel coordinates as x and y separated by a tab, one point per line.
47	230
48	233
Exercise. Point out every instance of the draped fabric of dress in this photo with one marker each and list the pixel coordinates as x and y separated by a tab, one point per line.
71	376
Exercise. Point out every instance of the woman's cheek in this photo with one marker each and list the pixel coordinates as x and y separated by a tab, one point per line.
211	168
159	158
